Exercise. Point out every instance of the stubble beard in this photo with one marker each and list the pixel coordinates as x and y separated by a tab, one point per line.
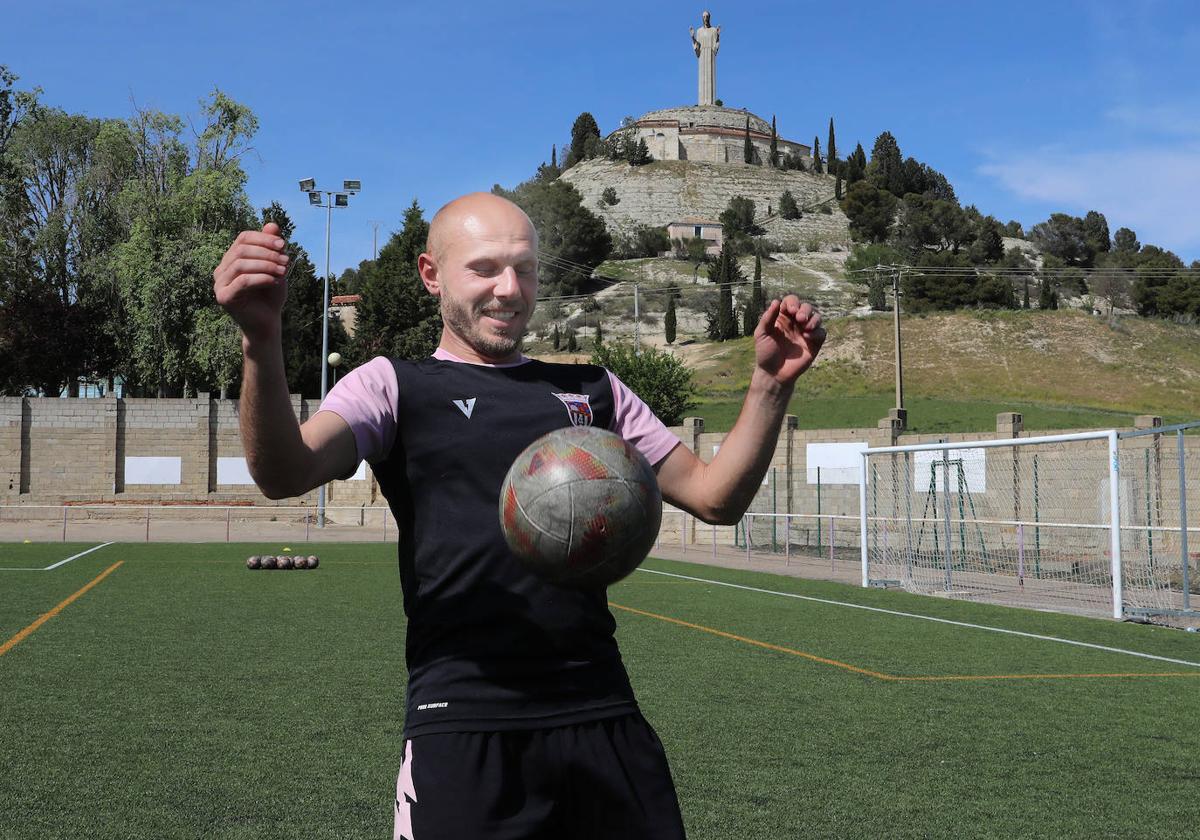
459	318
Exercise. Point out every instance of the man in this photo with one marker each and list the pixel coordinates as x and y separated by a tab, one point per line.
520	719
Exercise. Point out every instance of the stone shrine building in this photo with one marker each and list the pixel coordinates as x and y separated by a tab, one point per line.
708	131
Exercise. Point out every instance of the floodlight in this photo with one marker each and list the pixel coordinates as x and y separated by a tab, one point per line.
341	200
352	186
308	185
314	198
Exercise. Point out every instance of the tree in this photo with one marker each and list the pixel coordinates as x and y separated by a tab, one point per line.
747	146
1047	295
870	211
837	188
640	155
64	223
989	243
755	304
572	342
609	197
1014	230
662	381
1095	230
182	206
669	320
831	151
585	137
787	206
1065	237
737	223
816	157
572	240
722	325
397	316
694	250
1126	241
598	336
774	143
886	168
556	338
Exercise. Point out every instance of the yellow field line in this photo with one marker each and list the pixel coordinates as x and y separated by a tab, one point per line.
756	642
20	637
888	677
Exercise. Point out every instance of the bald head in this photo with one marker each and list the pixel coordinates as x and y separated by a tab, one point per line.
477	216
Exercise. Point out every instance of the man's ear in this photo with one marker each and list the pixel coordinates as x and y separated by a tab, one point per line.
428	269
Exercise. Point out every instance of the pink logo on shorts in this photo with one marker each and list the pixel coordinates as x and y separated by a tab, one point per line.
405	792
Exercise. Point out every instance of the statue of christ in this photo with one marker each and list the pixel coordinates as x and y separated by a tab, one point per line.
705	42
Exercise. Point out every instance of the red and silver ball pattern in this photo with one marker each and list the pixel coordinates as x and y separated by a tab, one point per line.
580	507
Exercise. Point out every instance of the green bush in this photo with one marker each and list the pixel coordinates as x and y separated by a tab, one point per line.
660	379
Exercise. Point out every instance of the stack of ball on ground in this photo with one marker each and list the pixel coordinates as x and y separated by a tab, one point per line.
282	561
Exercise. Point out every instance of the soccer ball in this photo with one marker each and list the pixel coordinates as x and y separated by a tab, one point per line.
580	507
253	562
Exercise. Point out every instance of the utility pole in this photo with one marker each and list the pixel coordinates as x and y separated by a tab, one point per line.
637	324
375	223
900	412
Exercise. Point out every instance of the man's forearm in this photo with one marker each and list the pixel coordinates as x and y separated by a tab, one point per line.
736	473
270	430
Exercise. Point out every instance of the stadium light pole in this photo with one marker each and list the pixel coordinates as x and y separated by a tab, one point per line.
341	200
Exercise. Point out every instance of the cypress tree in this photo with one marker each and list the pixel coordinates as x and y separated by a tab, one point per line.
837	187
774	143
816	164
554	155
669	320
572	343
722	323
831	149
748	148
598	339
556	339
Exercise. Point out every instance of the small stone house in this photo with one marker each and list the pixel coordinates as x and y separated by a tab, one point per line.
691	227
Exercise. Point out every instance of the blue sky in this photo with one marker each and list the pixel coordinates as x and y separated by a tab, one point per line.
1027	107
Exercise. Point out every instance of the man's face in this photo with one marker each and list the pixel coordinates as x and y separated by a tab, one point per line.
488	276
705	18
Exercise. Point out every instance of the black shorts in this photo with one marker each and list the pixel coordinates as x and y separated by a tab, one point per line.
603	780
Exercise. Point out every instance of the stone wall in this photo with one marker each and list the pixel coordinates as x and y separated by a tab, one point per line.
70	451
667	191
57	451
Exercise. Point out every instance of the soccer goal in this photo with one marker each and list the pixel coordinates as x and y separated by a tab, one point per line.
1092	523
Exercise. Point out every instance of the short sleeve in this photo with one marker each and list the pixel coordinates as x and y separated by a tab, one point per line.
366	399
634	421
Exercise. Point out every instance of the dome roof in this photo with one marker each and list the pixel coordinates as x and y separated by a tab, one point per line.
699	116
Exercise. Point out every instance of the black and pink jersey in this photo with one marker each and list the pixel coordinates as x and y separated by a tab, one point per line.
489	645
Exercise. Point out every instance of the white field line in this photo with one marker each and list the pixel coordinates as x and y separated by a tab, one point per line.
61	562
928	618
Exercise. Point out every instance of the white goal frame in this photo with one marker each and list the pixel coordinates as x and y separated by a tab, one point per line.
1114	495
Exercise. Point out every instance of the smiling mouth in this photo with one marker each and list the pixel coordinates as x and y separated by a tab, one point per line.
504	315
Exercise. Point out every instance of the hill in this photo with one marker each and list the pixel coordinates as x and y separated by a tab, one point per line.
1061	369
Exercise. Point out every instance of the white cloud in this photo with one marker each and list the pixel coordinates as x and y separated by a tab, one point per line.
1151	189
1171	119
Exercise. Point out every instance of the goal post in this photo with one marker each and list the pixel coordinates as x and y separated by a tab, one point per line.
1032	522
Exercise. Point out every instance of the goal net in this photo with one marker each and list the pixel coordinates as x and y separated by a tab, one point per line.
1019	522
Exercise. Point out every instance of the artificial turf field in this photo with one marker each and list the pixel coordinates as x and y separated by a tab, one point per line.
184	696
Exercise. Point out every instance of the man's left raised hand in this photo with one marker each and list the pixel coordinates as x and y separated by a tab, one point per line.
788	338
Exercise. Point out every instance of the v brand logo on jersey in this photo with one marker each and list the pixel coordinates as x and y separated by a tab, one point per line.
578	408
466	406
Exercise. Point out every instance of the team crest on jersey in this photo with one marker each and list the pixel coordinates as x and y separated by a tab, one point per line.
578	408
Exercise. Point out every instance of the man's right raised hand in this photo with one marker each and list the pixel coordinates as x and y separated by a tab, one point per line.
249	283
